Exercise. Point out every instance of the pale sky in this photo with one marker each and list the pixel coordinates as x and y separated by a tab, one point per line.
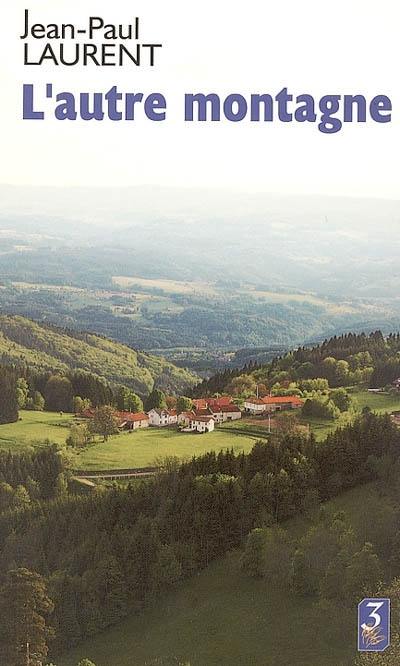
222	46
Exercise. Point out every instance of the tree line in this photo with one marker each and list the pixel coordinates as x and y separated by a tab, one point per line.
76	391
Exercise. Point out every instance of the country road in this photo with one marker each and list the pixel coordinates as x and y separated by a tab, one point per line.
111	474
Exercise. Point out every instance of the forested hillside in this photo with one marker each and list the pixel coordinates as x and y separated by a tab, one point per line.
348	360
47	348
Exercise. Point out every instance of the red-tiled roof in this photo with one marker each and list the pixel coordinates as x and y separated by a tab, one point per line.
203	412
255	401
214	403
222	401
282	399
130	416
200	403
230	408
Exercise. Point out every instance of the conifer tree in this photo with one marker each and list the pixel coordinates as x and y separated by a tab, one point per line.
8	396
24	609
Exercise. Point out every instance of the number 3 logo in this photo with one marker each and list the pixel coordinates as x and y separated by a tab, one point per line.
373	625
374	614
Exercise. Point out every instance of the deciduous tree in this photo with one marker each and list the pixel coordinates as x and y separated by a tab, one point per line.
104	422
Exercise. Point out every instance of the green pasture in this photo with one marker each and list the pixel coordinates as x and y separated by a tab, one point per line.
33	428
141	447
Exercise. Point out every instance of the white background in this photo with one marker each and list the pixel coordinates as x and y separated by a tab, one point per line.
349	46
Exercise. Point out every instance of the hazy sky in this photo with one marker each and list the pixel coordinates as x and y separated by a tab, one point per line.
350	46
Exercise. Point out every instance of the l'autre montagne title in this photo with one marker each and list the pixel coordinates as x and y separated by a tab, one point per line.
98	43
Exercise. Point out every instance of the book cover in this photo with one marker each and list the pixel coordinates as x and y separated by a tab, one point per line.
199	334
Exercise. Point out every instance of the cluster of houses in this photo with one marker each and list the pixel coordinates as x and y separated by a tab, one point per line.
202	418
205	414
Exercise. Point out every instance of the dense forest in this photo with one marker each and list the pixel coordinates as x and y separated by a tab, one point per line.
369	359
106	554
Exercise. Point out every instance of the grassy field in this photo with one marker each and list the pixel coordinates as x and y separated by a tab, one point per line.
129	449
221	618
168	286
34	427
378	402
140	448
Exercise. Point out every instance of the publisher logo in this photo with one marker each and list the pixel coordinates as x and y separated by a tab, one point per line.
373	625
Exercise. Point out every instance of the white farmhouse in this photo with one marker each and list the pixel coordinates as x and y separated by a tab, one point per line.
184	418
200	424
162	417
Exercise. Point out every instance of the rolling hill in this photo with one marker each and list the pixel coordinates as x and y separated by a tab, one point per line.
42	347
242	621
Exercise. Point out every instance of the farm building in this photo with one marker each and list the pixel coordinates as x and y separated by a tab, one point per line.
279	402
219	414
200	403
212	403
230	412
272	403
254	405
184	418
162	417
131	421
201	424
221	408
222	401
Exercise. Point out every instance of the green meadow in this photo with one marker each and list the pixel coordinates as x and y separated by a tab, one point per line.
378	402
34	427
127	449
141	447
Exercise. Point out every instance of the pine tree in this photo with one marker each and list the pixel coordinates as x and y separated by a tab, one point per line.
24	608
8	396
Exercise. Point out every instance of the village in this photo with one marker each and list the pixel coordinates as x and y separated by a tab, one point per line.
205	415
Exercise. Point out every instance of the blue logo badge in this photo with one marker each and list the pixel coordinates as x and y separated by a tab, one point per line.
373	625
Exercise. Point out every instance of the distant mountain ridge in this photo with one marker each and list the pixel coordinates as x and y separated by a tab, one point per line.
42	347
